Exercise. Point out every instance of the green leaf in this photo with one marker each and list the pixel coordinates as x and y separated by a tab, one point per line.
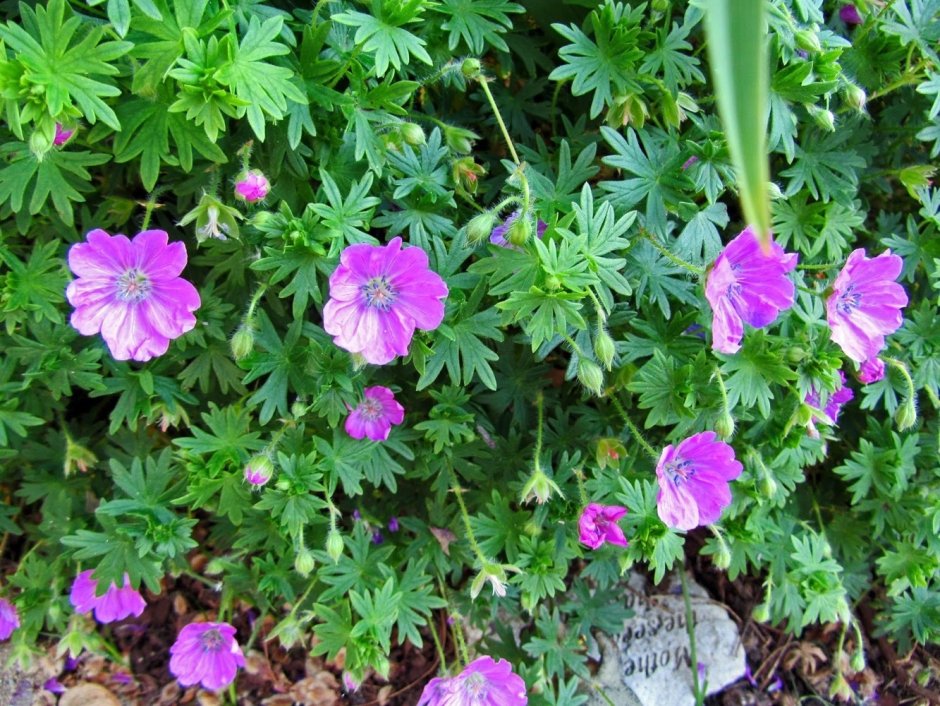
119	13
386	38
737	51
264	87
52	66
15	421
478	23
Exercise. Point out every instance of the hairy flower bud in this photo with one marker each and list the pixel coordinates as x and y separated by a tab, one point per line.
604	347
470	68
480	227
334	544
591	376
761	613
725	425
412	134
243	342
258	470
855	96
722	557
252	186
303	562
808	40
858	660
519	231
906	415
458	139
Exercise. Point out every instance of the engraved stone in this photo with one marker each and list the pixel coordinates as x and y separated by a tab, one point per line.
649	663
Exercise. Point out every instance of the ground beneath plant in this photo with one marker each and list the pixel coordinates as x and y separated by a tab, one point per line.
782	669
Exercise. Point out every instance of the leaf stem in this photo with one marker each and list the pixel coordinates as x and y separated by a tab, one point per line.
634	430
675	259
499	119
471	538
698	689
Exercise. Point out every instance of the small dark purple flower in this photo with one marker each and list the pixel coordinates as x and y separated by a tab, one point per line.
54	685
689	162
838	397
850	15
70	664
356	515
393	524
377	537
122	678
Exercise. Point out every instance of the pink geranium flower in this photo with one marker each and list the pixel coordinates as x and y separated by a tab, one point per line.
379	295
375	415
693	481
252	186
207	654
9	619
865	304
850	15
747	286
483	682
131	291
598	524
114	604
871	370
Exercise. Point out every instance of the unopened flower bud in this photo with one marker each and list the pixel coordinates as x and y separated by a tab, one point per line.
858	660
40	143
808	40
824	118
761	613
258	470
604	347
470	68
467	173
412	134
252	186
303	562
609	452
725	425
62	135
458	139
768	486
795	354
906	415
591	376
855	96
480	227
722	557
334	544
243	342
519	231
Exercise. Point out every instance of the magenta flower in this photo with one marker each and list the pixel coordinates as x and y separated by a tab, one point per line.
498	236
379	295
865	304
871	370
850	15
131	291
483	682
61	135
747	286
114	604
375	415
598	524
252	186
258	470
838	397
9	619
693	481
207	654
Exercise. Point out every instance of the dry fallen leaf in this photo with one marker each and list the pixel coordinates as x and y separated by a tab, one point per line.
88	695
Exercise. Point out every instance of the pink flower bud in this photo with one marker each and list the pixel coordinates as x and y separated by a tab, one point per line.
252	186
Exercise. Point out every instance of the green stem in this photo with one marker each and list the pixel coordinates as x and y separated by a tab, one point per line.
456	627
723	390
540	406
909	77
499	119
471	538
439	648
255	298
579	474
633	429
698	689
900	366
674	258
827	266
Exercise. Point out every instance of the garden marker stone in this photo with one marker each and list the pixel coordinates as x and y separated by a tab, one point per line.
649	662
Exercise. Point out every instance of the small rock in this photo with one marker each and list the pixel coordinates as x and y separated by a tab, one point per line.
88	695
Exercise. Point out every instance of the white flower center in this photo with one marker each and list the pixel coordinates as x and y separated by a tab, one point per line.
212	640
371	409
379	293
679	471
133	286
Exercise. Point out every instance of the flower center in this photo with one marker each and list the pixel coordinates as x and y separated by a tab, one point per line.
212	640
371	409
379	293
848	300
680	471
133	286
475	685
